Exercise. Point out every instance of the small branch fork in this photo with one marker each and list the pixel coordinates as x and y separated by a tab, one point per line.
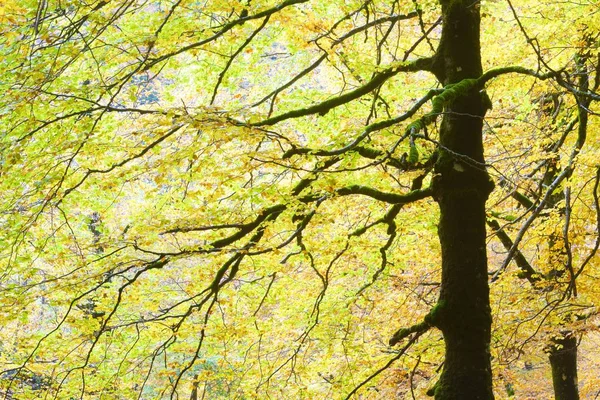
418	333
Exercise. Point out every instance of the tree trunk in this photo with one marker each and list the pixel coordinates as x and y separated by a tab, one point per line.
563	359
461	188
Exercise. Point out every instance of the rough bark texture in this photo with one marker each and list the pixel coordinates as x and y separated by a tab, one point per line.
461	188
563	359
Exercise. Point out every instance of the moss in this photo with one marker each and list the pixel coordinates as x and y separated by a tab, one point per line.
433	317
413	153
504	216
436	390
445	98
416	126
431	391
439	389
451	93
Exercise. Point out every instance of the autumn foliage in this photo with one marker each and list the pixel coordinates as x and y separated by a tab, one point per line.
232	199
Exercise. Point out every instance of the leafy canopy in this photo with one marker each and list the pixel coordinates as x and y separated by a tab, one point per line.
232	198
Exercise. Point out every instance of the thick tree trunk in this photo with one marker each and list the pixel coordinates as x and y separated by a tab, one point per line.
563	359
461	188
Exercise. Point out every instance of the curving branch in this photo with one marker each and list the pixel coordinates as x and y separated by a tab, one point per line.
596	246
402	351
121	163
391	198
421	64
234	55
224	29
374	127
289	83
391	18
403	333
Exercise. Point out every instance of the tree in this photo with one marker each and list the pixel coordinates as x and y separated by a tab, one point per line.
562	347
218	197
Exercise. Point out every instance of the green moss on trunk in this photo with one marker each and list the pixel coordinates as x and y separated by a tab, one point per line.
461	188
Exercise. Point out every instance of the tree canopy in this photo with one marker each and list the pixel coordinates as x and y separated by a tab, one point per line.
299	199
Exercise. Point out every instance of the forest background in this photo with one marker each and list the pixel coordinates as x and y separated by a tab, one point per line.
299	199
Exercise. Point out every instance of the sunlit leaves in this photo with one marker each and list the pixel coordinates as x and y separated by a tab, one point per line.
137	257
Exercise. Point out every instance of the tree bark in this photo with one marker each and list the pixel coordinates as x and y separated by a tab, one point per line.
461	187
563	359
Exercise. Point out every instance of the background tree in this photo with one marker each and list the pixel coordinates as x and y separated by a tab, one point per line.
231	199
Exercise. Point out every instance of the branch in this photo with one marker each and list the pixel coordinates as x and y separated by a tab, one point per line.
387	365
273	94
226	28
391	18
374	127
234	55
597	209
522	199
121	163
401	164
421	64
514	248
392	198
514	69
267	213
388	219
494	73
528	272
289	83
400	334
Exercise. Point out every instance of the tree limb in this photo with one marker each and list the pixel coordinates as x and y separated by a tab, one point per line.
392	198
421	64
